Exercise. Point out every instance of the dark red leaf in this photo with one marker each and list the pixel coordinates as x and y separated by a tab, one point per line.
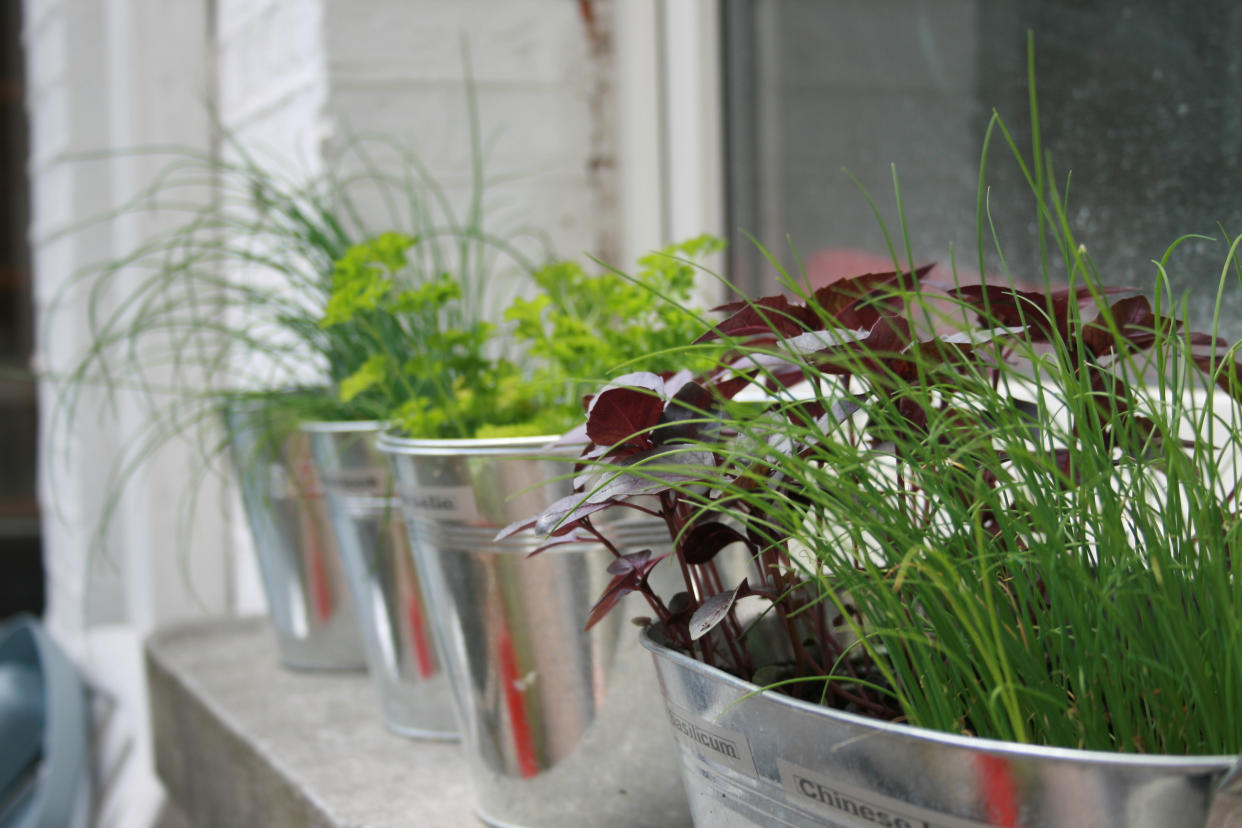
617	588
623	415
1135	325
857	302
889	335
632	562
631	578
879	353
691	397
805	413
636	379
1131	311
1200	339
1228	374
768	316
702	541
737	304
687	417
1040	313
728	385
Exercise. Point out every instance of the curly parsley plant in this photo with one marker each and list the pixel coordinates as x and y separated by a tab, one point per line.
443	372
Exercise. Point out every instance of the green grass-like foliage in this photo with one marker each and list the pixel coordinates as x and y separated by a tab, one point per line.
442	373
974	508
1027	530
1022	526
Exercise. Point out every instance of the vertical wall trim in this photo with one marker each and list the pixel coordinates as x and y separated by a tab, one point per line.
693	121
641	174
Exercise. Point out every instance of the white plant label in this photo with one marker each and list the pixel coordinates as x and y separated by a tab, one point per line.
852	806
365	482
439	503
713	742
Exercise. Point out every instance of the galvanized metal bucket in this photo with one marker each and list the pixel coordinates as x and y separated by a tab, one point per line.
307	597
370	532
752	758
562	728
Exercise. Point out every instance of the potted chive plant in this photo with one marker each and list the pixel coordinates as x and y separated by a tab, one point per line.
993	534
546	711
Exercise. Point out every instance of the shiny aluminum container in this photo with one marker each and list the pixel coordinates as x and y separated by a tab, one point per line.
370	533
562	728
307	596
752	758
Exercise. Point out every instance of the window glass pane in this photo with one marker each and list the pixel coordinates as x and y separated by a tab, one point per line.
1141	100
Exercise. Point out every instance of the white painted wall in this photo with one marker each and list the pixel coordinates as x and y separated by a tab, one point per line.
91	88
669	129
540	83
110	74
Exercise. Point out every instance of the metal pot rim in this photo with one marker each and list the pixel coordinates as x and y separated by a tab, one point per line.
542	444
921	734
340	426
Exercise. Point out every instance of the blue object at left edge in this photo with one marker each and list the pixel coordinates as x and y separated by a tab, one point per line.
44	727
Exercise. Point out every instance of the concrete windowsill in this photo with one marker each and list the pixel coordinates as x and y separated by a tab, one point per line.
241	741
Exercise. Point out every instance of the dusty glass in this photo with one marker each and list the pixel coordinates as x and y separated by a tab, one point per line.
1142	101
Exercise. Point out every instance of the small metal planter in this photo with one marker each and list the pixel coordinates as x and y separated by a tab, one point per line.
771	760
371	535
562	728
307	596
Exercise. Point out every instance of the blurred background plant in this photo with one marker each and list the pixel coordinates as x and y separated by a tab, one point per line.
245	298
444	373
